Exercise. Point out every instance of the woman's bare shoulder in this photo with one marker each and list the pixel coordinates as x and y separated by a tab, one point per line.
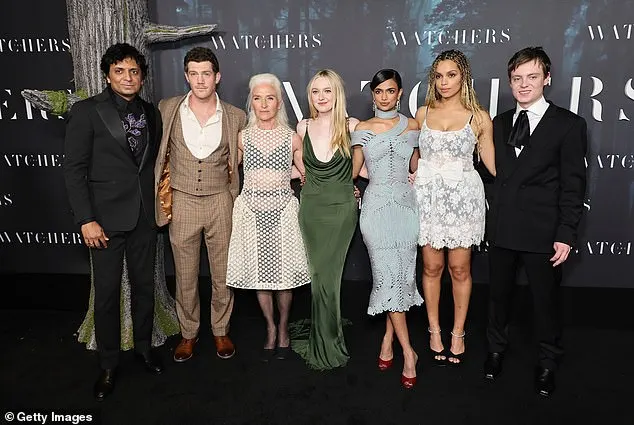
301	128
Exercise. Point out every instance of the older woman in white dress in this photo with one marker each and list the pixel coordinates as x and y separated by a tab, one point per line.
266	251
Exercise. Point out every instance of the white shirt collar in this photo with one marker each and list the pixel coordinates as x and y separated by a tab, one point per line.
218	104
538	108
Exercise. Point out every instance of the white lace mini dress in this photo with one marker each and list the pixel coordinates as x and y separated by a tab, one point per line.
449	191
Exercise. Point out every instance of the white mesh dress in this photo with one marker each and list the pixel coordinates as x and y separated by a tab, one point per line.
266	250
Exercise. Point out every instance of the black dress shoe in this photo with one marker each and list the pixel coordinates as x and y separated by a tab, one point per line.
493	365
283	353
105	384
544	381
267	354
152	362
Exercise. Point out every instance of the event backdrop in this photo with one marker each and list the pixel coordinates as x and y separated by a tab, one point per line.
589	42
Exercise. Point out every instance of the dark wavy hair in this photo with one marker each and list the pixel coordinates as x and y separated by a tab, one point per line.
385	75
120	51
201	54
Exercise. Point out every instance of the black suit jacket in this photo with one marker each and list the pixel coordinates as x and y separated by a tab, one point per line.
103	181
537	197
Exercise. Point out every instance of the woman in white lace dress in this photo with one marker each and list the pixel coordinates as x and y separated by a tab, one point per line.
266	251
449	191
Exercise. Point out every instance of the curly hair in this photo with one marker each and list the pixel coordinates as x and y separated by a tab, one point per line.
468	96
119	52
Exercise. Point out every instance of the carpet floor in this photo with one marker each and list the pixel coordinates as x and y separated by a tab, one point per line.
43	367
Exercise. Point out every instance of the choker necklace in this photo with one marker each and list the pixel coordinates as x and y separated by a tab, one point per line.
386	115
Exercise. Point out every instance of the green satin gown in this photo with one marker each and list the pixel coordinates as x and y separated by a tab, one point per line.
328	215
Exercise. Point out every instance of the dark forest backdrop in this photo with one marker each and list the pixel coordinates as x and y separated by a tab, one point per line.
590	44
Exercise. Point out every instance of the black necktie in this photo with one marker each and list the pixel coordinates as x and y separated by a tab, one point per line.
521	131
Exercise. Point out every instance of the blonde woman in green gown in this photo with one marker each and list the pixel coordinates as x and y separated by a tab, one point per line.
328	215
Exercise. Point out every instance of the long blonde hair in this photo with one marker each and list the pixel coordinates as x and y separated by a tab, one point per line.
468	96
272	80
340	134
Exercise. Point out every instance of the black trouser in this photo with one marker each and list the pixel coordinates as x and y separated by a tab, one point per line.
544	281
139	247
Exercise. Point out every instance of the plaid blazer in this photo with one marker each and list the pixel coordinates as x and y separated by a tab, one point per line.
233	120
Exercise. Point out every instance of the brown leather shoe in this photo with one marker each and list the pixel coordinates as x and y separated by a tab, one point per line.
224	347
184	350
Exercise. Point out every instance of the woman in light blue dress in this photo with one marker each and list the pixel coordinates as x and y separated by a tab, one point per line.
389	216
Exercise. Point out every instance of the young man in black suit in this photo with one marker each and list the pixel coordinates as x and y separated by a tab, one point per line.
110	149
535	209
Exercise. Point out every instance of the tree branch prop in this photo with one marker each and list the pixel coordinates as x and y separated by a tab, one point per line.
55	102
93	26
155	33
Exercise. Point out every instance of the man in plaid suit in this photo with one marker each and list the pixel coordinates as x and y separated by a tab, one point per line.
197	181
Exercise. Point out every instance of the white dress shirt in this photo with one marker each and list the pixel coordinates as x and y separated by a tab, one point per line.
203	140
534	113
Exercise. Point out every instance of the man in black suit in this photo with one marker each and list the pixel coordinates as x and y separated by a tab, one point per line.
110	149
535	209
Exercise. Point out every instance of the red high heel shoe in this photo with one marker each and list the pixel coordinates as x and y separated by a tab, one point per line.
385	364
408	383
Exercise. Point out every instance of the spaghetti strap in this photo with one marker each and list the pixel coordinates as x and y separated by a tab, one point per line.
307	120
452	208
426	112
